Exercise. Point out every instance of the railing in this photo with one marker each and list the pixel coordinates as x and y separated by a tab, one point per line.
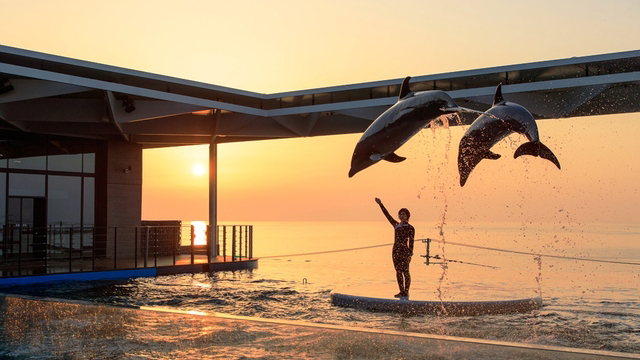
58	249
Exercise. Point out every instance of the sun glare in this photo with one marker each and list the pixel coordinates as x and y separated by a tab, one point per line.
198	169
199	232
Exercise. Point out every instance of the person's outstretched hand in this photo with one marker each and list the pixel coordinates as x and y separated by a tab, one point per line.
378	201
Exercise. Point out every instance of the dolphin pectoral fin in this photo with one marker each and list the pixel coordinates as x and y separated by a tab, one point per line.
536	148
393	157
491	155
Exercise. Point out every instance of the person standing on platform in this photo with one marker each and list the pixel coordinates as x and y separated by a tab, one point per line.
402	247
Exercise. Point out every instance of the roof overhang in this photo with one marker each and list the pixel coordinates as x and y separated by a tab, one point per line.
57	95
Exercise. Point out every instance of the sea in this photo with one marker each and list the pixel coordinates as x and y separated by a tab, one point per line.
588	276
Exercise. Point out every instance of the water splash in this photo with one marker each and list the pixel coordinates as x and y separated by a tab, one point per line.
444	264
467	110
534	313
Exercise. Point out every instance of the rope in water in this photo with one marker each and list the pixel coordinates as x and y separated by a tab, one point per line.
328	251
463	245
535	254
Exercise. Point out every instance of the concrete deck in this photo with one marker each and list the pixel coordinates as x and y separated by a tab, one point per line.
126	268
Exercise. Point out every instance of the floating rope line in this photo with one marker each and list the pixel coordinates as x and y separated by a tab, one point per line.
463	245
328	251
534	254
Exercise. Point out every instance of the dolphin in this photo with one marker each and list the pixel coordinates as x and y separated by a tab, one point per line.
394	127
502	119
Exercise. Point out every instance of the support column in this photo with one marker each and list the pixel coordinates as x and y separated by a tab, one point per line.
213	196
213	189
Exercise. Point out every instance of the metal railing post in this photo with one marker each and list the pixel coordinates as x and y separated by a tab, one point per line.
224	243
93	250
192	243
70	249
47	249
146	248
209	238
135	248
240	243
233	243
20	251
81	250
155	247
173	246
251	242
246	242
115	248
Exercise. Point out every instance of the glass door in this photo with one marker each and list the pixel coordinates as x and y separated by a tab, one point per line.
27	224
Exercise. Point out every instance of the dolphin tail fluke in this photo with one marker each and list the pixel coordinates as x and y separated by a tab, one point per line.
394	158
536	148
463	179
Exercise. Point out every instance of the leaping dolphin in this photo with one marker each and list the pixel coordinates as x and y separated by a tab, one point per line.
502	119
411	113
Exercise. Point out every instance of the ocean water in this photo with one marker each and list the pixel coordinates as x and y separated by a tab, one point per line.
588	277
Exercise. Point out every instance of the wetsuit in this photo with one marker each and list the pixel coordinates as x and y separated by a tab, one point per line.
402	250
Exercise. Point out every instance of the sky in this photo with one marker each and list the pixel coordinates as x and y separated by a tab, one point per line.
277	46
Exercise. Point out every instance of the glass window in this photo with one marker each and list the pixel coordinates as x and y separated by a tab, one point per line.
4	150
26	154
89	161
15	208
65	162
26	185
32	163
64	200
89	201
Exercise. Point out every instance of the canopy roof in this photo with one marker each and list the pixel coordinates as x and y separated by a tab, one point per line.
49	94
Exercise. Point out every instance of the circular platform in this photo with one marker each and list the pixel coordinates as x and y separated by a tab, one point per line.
418	303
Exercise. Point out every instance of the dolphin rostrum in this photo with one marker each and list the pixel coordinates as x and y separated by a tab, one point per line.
502	119
411	113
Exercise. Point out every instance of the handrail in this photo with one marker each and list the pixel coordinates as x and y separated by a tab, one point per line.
71	249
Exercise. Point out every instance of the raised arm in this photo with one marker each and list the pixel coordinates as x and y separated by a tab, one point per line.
386	213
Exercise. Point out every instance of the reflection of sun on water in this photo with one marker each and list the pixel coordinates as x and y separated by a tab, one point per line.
199	231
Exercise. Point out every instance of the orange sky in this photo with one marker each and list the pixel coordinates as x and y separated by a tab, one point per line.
306	179
289	45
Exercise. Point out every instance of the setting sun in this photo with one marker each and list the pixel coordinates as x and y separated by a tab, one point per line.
198	170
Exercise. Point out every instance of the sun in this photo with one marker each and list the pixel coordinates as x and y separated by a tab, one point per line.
198	170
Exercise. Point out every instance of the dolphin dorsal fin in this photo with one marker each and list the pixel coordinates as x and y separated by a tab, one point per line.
404	89
497	98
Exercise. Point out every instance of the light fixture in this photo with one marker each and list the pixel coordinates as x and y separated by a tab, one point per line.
5	85
127	169
128	104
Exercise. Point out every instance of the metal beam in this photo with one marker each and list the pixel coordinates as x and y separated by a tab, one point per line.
113	112
27	89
